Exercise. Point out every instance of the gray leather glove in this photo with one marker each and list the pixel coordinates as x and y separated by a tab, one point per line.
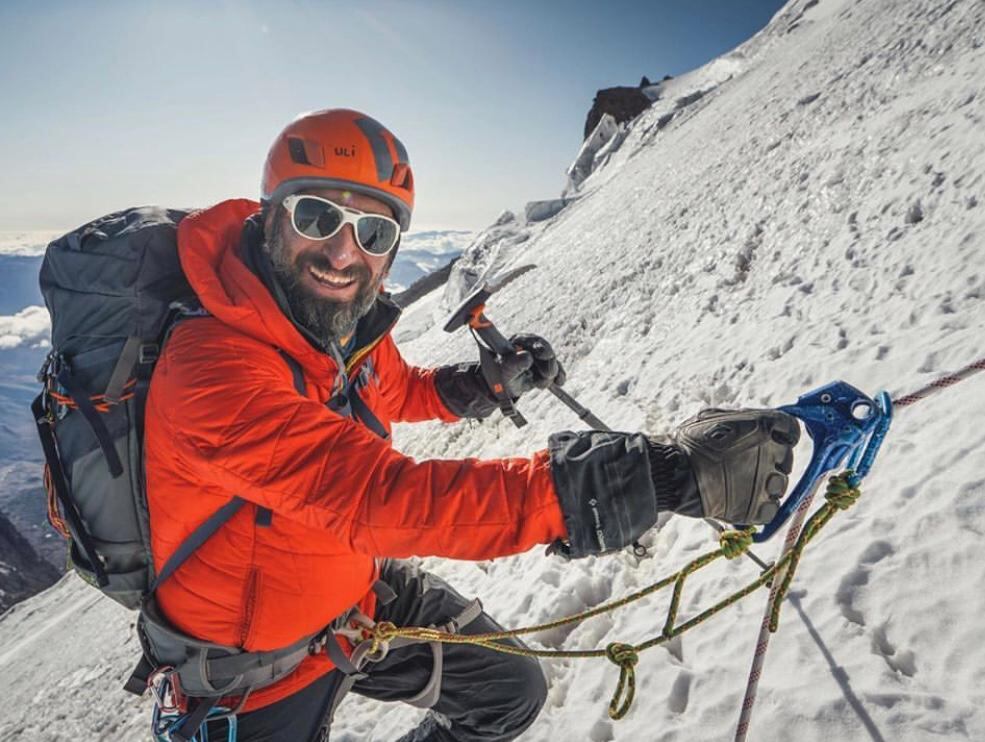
466	390
738	462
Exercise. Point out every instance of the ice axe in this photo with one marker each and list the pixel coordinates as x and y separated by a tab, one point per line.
471	312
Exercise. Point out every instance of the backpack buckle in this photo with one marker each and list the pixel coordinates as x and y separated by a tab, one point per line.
148	353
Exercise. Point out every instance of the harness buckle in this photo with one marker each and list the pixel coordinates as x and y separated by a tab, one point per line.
163	684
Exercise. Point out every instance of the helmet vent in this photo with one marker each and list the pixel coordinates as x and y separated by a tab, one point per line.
402	177
305	152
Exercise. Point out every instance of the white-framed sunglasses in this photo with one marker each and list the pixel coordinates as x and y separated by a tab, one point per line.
317	218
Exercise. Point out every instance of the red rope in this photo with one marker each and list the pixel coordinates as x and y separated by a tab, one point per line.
942	383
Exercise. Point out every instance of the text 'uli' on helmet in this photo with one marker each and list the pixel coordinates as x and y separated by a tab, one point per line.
344	149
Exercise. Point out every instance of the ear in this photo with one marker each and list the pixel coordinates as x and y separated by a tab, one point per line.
393	257
268	213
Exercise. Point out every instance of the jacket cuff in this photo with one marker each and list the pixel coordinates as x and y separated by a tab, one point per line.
604	487
464	392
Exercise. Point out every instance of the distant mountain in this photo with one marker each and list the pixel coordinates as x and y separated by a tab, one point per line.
22	572
422	253
23	501
21	493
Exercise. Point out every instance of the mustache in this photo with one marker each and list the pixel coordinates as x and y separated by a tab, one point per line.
319	261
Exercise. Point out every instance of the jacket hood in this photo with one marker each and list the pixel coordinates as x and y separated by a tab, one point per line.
208	247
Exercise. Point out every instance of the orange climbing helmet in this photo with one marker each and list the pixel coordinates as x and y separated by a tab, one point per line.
340	148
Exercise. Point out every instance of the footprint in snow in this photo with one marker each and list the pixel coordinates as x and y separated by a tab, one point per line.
858	578
601	731
680	693
898	661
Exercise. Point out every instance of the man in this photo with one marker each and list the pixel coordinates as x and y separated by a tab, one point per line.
284	396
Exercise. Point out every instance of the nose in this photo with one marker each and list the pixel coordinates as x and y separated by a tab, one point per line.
342	249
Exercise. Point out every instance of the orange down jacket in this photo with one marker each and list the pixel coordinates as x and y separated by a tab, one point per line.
224	419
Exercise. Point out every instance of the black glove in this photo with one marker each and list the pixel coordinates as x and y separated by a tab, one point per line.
532	366
726	464
466	391
719	464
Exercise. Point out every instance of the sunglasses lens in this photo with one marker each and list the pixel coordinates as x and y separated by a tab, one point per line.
316	219
377	235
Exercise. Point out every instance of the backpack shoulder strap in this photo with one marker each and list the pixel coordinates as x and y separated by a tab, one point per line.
197	537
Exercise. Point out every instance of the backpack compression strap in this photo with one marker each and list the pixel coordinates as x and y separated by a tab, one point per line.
50	448
198	537
82	401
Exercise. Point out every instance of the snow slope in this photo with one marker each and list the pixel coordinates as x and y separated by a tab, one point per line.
816	216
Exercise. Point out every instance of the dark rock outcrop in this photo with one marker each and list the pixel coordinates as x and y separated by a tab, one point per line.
623	103
22	572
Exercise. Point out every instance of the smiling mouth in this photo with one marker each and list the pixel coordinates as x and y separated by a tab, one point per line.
331	280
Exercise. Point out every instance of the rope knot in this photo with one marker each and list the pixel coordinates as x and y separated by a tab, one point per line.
626	656
735	543
381	635
841	493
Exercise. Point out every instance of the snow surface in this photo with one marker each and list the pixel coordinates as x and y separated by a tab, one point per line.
816	216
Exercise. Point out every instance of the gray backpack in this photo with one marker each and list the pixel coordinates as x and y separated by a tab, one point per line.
113	288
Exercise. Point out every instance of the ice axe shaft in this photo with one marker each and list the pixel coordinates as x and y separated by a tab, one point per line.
499	345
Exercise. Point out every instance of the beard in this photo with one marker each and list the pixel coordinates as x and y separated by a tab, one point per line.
329	321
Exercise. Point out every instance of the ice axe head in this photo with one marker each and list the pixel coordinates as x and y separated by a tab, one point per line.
471	311
470	307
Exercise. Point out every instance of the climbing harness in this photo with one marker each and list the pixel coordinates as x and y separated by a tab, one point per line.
847	429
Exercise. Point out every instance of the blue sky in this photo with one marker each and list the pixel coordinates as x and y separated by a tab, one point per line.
105	105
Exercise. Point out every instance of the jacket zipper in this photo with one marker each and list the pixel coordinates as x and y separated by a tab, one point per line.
249	605
360	354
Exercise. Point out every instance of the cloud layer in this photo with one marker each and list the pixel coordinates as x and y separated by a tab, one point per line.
30	326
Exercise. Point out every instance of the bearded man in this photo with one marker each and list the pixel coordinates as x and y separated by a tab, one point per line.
282	398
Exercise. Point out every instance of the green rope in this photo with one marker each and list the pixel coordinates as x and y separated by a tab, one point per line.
840	495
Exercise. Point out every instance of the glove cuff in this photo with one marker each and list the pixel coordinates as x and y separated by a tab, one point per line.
464	392
602	480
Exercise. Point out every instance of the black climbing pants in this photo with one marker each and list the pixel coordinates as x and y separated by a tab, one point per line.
484	695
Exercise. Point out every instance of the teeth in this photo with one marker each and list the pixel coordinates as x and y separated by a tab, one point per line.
329	278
